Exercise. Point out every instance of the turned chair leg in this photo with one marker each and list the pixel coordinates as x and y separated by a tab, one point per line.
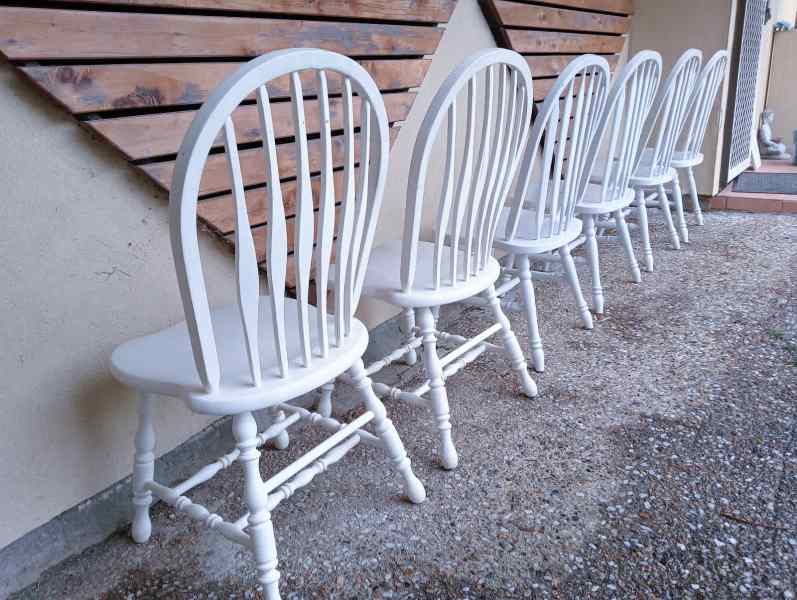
678	198
407	327
386	432
693	193
530	302
260	528
143	470
664	204
625	238
511	345
572	278
437	388
642	211
594	264
282	440
325	401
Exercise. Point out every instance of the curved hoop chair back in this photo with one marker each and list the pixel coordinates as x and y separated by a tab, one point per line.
669	114
561	136
623	121
302	72
702	103
480	163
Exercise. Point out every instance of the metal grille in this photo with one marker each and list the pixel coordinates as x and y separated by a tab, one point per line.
746	80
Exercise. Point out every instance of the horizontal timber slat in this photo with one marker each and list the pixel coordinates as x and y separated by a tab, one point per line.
517	14
97	88
551	66
434	11
34	33
147	136
625	7
216	178
532	42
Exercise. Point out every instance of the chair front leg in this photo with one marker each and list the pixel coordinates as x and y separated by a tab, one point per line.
693	193
260	528
511	345
594	264
642	212
143	470
530	302
678	198
437	389
572	279
664	204
407	327
386	432
625	238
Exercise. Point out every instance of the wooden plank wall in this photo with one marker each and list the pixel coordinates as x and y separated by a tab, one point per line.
136	71
552	32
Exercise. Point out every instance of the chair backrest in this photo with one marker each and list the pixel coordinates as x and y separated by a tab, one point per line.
669	113
312	247
623	122
561	136
702	102
479	166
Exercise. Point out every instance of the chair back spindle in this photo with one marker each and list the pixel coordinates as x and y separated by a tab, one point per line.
702	102
316	239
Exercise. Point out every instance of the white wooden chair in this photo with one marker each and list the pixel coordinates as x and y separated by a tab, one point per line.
267	350
655	171
540	222
483	145
701	106
621	130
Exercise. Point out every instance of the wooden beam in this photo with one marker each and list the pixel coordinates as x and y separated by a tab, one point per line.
98	88
148	136
534	42
34	33
516	14
432	11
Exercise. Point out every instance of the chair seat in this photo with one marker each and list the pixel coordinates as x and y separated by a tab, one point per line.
524	242
383	278
592	203
163	362
643	177
682	160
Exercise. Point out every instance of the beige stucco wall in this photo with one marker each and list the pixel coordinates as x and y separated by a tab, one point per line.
671	27
782	94
87	265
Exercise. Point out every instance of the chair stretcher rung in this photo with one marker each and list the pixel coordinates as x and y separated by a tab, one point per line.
199	513
394	393
469	344
322	448
306	475
397	354
328	423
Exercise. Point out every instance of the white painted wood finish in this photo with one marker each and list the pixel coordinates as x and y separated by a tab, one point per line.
541	216
689	154
620	133
665	124
479	119
268	350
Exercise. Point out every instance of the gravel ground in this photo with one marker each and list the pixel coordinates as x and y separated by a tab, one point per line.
659	461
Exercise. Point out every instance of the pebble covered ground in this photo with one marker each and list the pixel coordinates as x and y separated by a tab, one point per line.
658	462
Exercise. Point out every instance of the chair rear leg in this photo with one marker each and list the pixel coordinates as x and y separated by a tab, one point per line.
143	470
693	193
407	326
678	197
260	528
325	401
511	345
437	389
386	432
664	203
282	440
625	238
594	264
642	212
572	279
530	302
